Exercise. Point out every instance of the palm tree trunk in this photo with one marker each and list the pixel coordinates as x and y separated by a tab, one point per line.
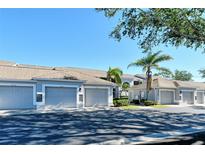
149	82
147	88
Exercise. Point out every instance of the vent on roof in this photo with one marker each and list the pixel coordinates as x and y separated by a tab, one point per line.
15	64
69	77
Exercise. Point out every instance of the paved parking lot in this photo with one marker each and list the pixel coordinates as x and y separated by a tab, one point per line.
93	127
194	109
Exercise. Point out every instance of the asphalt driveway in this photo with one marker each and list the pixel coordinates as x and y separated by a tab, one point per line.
90	127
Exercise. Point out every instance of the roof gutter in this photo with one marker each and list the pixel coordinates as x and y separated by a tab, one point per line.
59	80
17	80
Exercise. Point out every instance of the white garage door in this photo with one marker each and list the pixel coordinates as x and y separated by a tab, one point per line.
61	96
200	97
16	97
96	97
188	97
166	97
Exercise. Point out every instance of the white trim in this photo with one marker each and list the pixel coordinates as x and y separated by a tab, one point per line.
172	90
18	80
155	95
96	87
59	86
40	103
187	90
23	85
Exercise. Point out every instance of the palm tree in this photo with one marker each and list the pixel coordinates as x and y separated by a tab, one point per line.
125	86
114	75
151	62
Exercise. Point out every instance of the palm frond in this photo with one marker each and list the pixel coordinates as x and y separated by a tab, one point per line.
162	58
114	74
138	63
163	69
118	79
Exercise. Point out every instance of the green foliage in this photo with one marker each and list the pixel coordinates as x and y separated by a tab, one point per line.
202	73
150	103
130	107
151	61
182	75
125	86
165	74
155	26
160	106
120	102
114	74
135	101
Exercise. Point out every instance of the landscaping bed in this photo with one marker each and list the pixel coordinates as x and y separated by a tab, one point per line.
124	103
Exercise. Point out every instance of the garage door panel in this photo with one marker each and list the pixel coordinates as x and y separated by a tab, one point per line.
188	97
96	97
61	96
200	97
166	97
16	97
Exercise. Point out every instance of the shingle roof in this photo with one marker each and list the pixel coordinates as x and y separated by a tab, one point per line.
9	70
98	73
83	76
190	84
159	82
26	73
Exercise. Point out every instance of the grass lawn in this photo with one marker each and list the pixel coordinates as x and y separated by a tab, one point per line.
159	106
130	107
135	107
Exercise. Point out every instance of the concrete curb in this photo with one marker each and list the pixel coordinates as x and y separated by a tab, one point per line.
154	137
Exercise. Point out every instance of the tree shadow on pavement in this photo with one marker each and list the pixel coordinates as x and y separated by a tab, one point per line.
83	127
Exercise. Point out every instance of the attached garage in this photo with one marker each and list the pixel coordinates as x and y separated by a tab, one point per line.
61	96
200	97
17	97
188	97
166	97
96	97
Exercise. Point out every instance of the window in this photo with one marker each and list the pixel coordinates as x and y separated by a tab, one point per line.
39	97
137	82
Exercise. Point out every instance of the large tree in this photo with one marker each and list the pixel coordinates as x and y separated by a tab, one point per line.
150	62
182	75
165	74
202	73
152	27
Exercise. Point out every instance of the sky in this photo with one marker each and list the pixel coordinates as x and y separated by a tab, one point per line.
78	38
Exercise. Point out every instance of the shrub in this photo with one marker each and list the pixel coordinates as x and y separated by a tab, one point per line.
120	102
135	101
149	103
142	100
123	97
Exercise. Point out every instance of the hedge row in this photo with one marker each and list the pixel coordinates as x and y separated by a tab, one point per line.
120	102
125	102
150	103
